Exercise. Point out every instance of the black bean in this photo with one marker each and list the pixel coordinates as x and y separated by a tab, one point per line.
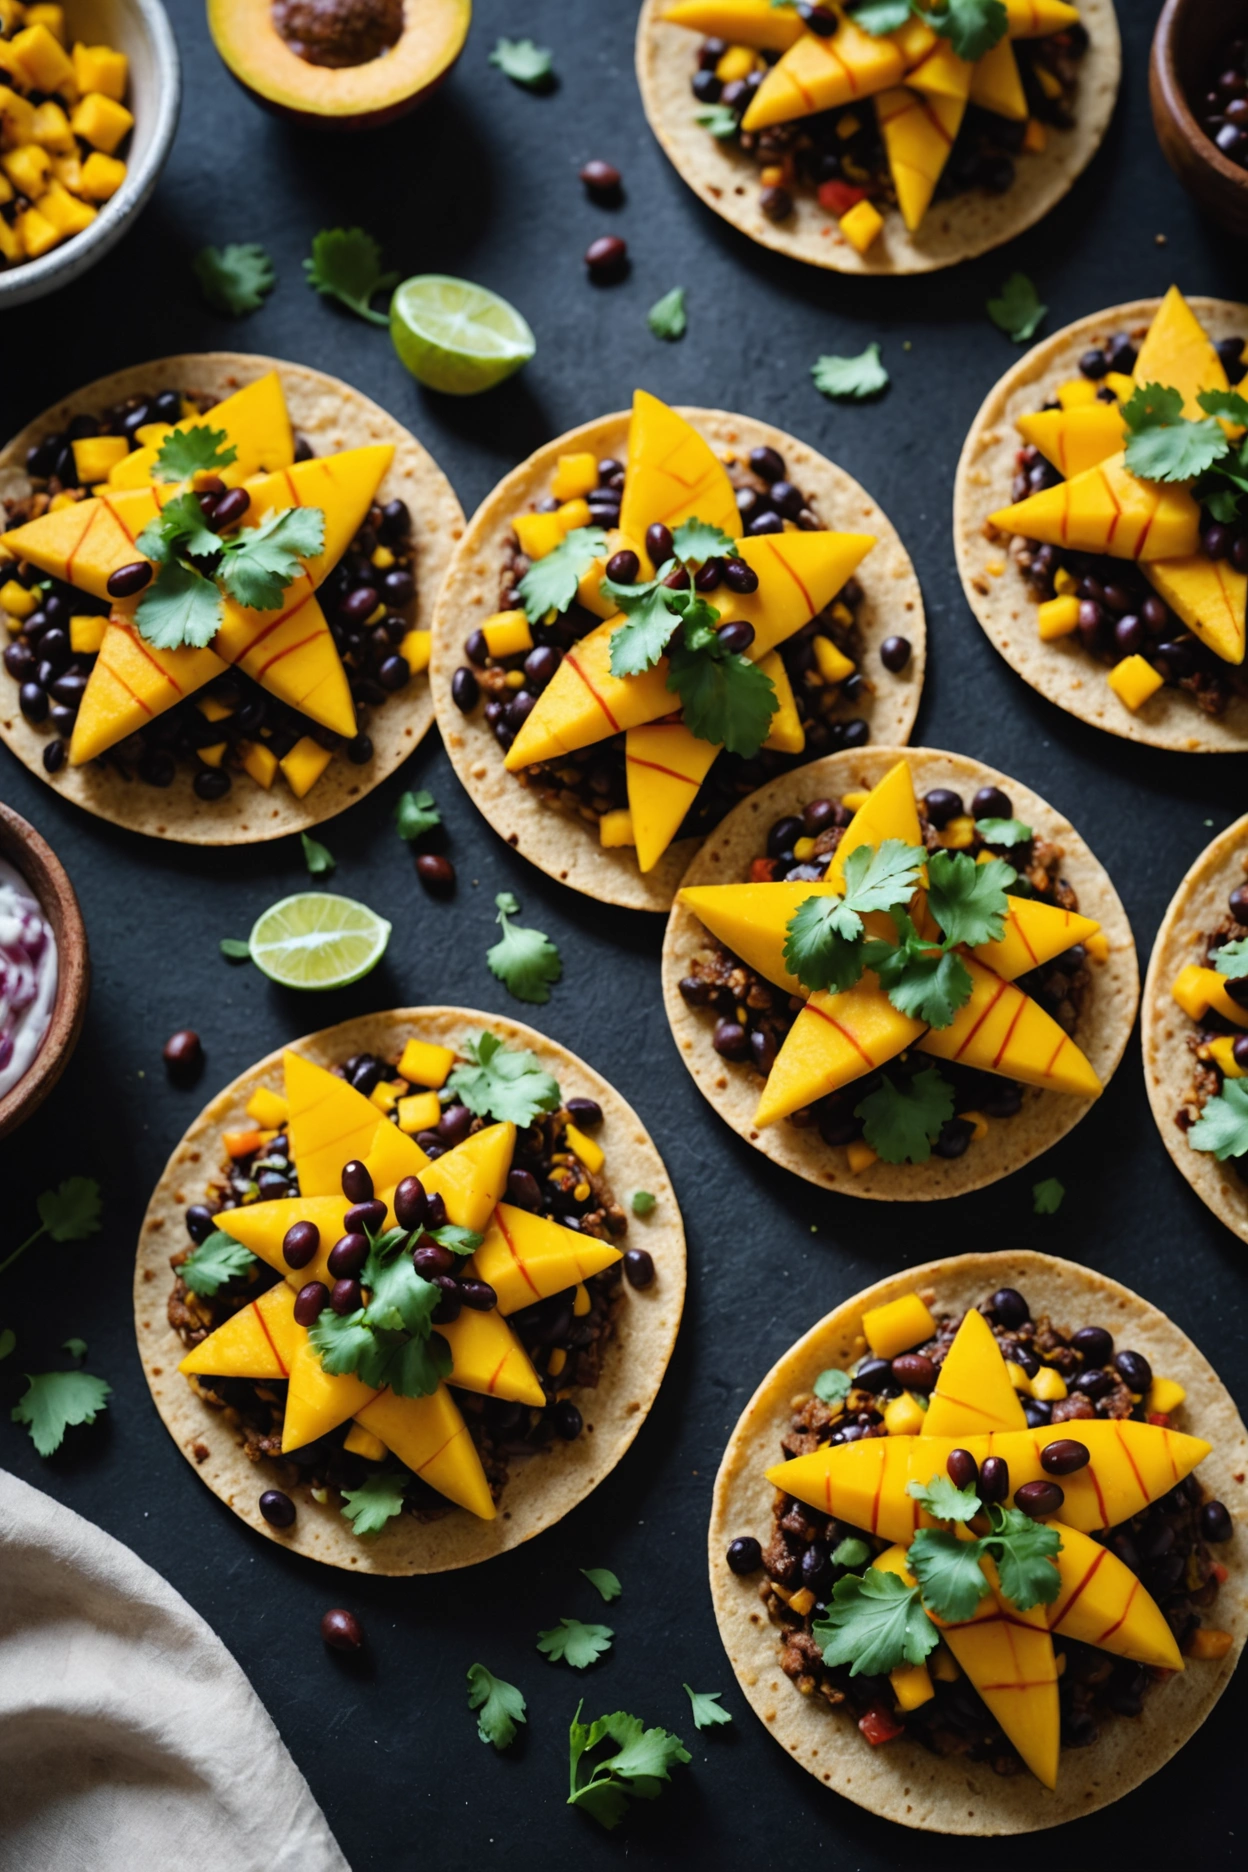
541	664
914	1371
736	638
365	1218
706	87
658	543
783	836
954	1139
943	805
230	508
436	873
522	1190
211	783
585	1113
396	522
454	1124
358	605
520	708
200	1222
1122	354
1094	1343
478	1295
1064	1456
19	660
767	463
730	1040
300	1243
1239	1051
342	1630
357	1179
709	576
624	566
744	1554
787	499
277	1508
994	1479
601	178
1009	1309
1093	1383
991	803
476	649
465	690
1026	1359
962	1468
895	653
1039	1499
1178	655
33	702
430	1259
762	1051
410	1203
1216	540
310	1301
158	768
1094	364
1129	636
606	257
815	1560
435	1212
1135	1371
394	674
54	649
398	586
345	1296
639	1267
740	577
568	1420
1037	1412
1216	1525
764	523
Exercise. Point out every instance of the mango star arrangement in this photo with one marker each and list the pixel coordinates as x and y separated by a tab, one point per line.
166	557
988	1548
691	602
1124	545
906	975
890	136
455	1300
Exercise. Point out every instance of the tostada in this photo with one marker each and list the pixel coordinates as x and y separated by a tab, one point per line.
653	615
218	578
886	137
898	973
1193	1022
977	1547
407	1289
1101	527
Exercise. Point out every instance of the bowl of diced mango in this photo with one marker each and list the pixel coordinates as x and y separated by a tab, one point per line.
89	93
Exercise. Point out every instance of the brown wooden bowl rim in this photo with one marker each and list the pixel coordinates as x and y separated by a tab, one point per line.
1174	97
39	865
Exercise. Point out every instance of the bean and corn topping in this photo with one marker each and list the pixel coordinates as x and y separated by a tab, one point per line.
1062	1377
565	1336
1222	109
232	726
752	1016
1217	1042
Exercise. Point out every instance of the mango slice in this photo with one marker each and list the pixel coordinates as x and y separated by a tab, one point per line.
1210	596
256	422
86	542
526	1258
1077	439
665	765
1179	353
330	1125
918	135
818	74
973	1390
1106	510
997	85
741	22
834	1040
1102	1603
317	1403
292	654
752	920
132	683
471	1178
798	575
254	1343
584	702
865	1483
342	486
943	74
262	1227
489	1358
787	736
673	473
1008	1657
430	1436
888	812
392	1156
1036	19
1001	1030
1034	933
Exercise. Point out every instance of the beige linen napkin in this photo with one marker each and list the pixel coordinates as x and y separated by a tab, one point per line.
130	1740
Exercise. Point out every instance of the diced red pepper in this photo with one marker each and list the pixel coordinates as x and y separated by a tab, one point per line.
880	1725
840	197
1219	1572
762	871
1160	1418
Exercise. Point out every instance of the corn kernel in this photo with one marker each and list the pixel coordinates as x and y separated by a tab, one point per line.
556	1362
17	601
86	634
898	1325
514	679
101	121
267	1107
862	225
1064	582
903	1416
1048	1385
575	476
590	1153
616	828
1133	681
581	1302
834	665
426	1064
382	558
420	1112
416	649
102	176
1057	617
772	175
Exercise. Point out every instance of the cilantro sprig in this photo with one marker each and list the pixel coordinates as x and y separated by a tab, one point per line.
1231	959
524	960
500	1705
54	1402
183	606
390	1339
1222	1127
550	584
525	63
851	378
708	1711
68	1213
824	946
903	1116
373	1505
234	279
972	27
1165	445
215	1261
198	449
571	1642
345	264
637	1770
1018	309
508	1084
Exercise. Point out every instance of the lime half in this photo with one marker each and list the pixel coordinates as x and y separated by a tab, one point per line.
317	940
455	336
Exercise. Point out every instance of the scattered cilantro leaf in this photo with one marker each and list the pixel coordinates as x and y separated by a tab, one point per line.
902	1120
1024	1551
236	278
695	541
235	949
374	1503
216	1260
54	1401
726	699
708	1712
317	857
196	449
643	1202
1004	831
180	525
507	1084
972	27
71	1212
180	608
77	1348
416	814
1164	445
259	562
524	63
604	1581
879	17
943	1500
832	1385
874	1622
851	1552
1018	310
502	1706
636	1771
666	317
1046	1196
8	1339
345	264
1223	1124
968	899
1231	959
719	119
571	1642
949	1573
550	584
524	960
851	377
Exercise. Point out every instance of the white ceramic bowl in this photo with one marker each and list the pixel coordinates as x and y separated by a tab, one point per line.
140	29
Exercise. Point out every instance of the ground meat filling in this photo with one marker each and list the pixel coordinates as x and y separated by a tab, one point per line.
1120	615
1164	1546
368	599
1207	1075
753	1017
567	1349
838	155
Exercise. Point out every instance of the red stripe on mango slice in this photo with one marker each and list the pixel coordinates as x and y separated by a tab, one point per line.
262	1228
888	812
1102	1603
1107	510
130	684
817	74
584	702
752	920
342	486
1034	933
471	1178
489	1358
918	136
1001	1030
317	1403
86	543
526	1258
256	1342
798	575
664	765
1210	596
997	85
430	1436
834	1040
291	653
1008	1657
1075	440
741	22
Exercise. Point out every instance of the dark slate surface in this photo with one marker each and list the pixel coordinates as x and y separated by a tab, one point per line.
483	183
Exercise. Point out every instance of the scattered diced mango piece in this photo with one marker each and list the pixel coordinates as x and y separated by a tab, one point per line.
1097	946
100	68
591	1154
616	827
102	121
861	1157
575	475
1134	680
362	1442
425	1064
68	169
44	14
213	710
269	1109
1196	990
93	455
507	633
834	666
416	649
1057	617
86	634
862	225
1222	1053
214	755
1064	582
1121	385
737	62
45	65
943	1665
1035	136
852	801
898	1325
259	761
152	434
1048	1385
420	1112
27	168
304	765
911	1685
386	1096
70	216
242	1143
51	128
573	513
976	1119
39	235
102	176
1018	1377
1207	1644
1075	393
903	1416
18	114
959	833
17	600
538	533
6	189
1164	1395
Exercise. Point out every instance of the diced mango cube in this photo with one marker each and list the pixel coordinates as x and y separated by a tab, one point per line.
10	240
1207	1644
959	833
86	634
41	13
51	128
420	1112
17	600
214	755
575	475
385	1096
1076	393
152	434
1164	1395
304	765
1048	1385
45	65
737	62
590	1153
1097	946
416	648
102	176
67	213
1121	385
943	1665
903	1416
1134	680
898	1325
269	1109
18	114
1222	1053
100	68
911	1685
852	801
616	828
538	533
68	169
573	513
1057	617
93	455
212	710
27	168
362	1442
6	189
243	1143
1035	136
507	633
1048	81
259	761
39	235
425	1064
102	121
834	666
1018	1377
861	1157
861	225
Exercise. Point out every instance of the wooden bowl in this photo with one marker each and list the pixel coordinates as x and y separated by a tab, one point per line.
23	848
1185	47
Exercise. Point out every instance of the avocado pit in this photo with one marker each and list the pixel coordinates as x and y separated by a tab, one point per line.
338	33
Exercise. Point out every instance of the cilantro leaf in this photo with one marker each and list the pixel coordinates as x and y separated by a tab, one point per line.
216	1260
949	1573
550	584
968	899
1231	959
695	541
77	1348
505	1083
234	949
921	979
883	878
943	1500
666	317
417	1367
643	1202
1046	1196
851	1552
708	1712
1163	444
53	1401
874	1622
879	17
720	119
194	450
524	960
460	1241
570	1642
650	619
258	563
179	524
637	1770
1024	1550
375	1502
1223	1124
71	1212
236	278
972	27
524	63
832	1385
1226	403
902	1120
726	699
345	264
502	1706
851	377
400	1299
344	1344
416	814
604	1581
822	946
1004	831
318	858
1018	310
180	608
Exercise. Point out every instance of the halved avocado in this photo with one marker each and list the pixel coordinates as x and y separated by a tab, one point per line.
344	64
